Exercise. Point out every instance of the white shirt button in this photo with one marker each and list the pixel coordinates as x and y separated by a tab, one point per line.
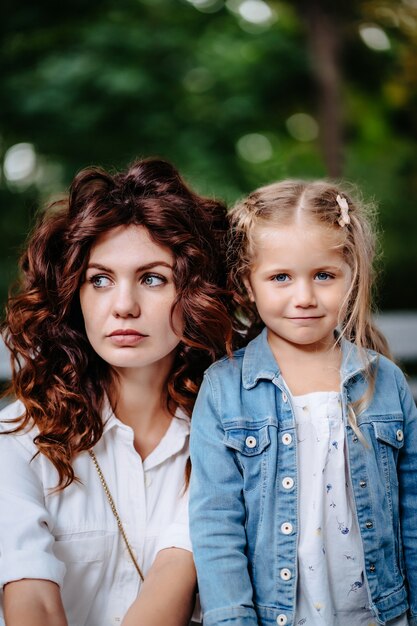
282	619
250	441
284	397
285	573
400	435
286	528
286	439
148	480
288	482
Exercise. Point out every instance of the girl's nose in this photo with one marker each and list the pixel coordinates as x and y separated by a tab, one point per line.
304	294
126	303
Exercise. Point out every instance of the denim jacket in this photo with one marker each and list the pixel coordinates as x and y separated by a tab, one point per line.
244	488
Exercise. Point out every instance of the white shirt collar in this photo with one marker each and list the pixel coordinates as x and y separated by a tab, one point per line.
172	442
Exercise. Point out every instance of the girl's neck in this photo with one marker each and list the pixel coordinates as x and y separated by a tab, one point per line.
306	370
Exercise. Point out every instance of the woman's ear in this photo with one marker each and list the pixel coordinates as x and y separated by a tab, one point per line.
248	288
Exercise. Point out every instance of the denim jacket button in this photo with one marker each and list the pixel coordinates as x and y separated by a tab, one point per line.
369	524
372	567
288	482
250	441
284	397
355	438
286	439
282	619
286	528
400	435
285	573
362	483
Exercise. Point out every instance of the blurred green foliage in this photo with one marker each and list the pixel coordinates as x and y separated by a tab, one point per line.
103	82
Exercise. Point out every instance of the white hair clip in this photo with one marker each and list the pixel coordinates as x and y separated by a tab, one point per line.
344	211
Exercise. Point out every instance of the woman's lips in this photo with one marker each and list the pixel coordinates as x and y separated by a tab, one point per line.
126	337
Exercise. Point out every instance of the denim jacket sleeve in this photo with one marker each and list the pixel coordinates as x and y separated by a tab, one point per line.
407	477
217	519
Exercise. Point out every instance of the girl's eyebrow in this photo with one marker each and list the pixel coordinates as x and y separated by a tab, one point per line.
141	268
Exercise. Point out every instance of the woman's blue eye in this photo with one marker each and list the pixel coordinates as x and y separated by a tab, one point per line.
153	280
280	278
99	281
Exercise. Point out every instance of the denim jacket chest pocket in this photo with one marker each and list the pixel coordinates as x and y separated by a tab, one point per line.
390	438
250	444
385	435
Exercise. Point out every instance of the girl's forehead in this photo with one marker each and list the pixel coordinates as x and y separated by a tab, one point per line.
312	234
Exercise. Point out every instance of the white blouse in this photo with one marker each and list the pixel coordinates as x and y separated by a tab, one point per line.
331	585
71	537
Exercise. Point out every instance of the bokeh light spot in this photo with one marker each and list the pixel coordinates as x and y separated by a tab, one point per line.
302	127
254	148
374	37
255	11
20	163
207	6
198	80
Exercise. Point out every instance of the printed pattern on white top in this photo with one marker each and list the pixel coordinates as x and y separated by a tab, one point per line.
331	587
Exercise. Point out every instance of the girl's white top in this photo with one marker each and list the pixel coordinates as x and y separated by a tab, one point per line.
331	586
71	537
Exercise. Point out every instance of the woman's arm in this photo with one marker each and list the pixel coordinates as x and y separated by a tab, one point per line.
30	573
34	602
167	596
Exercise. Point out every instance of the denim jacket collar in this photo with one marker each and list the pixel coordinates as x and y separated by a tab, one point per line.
259	363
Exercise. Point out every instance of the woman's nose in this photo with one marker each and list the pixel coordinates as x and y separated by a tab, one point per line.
126	303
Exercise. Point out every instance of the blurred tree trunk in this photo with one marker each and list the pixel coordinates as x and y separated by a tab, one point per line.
325	43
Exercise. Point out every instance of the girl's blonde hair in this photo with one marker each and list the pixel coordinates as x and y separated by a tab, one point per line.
316	203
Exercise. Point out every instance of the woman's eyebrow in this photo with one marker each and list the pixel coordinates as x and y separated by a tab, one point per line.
141	268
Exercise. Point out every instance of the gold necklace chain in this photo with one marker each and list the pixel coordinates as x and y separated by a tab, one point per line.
115	513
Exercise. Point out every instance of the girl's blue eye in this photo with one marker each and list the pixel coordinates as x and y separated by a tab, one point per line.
323	275
99	281
280	278
153	280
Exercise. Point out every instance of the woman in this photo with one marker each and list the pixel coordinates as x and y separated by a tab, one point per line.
121	308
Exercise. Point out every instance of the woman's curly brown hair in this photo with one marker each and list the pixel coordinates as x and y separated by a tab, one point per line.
61	381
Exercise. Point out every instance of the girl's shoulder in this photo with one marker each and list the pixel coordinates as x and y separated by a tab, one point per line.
387	367
391	383
227	363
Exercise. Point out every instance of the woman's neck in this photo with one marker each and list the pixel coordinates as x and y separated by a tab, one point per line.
139	399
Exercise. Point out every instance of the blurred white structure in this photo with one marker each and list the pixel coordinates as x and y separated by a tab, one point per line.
4	362
400	328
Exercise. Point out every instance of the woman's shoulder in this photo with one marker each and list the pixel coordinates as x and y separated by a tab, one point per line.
8	414
12	410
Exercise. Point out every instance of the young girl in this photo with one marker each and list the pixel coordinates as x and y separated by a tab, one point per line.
304	445
121	306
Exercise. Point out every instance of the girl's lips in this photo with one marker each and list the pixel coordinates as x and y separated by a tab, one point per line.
305	320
